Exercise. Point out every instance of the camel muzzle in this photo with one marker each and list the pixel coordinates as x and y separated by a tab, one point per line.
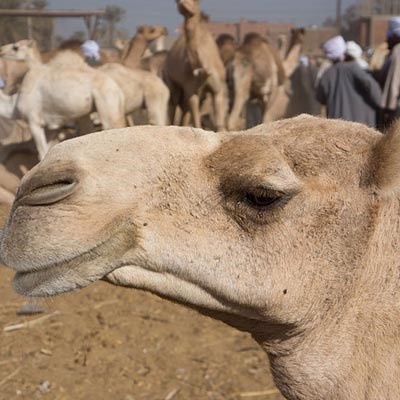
41	190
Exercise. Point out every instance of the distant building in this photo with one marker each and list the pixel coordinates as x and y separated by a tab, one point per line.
374	19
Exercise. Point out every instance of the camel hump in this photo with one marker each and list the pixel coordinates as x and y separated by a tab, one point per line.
67	58
386	161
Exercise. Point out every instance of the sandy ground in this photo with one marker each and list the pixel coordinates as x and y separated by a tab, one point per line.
107	342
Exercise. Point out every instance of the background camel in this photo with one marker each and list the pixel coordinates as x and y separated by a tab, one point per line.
141	89
194	67
258	73
62	90
288	231
12	73
134	50
298	94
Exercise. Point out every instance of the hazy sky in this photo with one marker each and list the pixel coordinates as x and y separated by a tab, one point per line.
299	12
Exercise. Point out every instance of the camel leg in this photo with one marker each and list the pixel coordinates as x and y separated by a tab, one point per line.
129	120
220	109
233	119
176	114
242	82
186	119
110	105
194	106
157	106
39	137
269	101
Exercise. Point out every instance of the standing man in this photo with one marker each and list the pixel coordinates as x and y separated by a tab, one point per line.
348	91
390	74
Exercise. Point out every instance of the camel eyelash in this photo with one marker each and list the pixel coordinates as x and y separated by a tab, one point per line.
256	205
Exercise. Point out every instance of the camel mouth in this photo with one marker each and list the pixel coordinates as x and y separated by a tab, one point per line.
52	281
66	276
76	272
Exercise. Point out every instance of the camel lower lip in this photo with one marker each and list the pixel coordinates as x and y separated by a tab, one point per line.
59	278
50	281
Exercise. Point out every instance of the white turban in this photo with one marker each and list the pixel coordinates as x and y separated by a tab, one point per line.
91	49
393	27
355	51
304	61
335	48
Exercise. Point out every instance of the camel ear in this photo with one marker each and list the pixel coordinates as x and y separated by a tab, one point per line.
140	29
386	162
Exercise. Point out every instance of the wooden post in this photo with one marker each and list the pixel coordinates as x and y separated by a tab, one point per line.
95	28
88	23
29	27
339	15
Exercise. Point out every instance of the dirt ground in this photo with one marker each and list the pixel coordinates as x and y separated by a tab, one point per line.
108	342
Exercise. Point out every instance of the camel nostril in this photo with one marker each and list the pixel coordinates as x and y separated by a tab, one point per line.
48	193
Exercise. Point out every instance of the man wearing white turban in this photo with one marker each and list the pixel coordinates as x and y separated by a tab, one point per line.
354	52
91	51
391	74
335	49
348	91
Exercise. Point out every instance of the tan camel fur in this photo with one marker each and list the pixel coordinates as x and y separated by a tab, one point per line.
141	88
227	47
289	231
63	90
12	72
134	51
291	60
285	105
154	62
107	55
194	67
258	72
15	160
378	57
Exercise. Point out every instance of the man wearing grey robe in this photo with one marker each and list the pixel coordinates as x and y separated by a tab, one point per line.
390	73
348	91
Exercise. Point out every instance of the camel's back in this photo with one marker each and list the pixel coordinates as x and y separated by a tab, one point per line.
67	59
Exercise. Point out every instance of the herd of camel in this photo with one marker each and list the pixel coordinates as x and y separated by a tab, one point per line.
200	82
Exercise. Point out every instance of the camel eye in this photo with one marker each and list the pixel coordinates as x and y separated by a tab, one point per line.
15	48
261	200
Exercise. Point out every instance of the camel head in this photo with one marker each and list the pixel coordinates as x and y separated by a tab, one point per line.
297	36
19	51
227	47
152	32
269	230
189	8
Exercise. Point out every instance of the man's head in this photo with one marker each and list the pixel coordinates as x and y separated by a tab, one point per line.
393	32
335	49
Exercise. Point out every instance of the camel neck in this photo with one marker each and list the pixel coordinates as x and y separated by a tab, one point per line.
352	350
136	49
343	362
33	58
192	27
292	58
